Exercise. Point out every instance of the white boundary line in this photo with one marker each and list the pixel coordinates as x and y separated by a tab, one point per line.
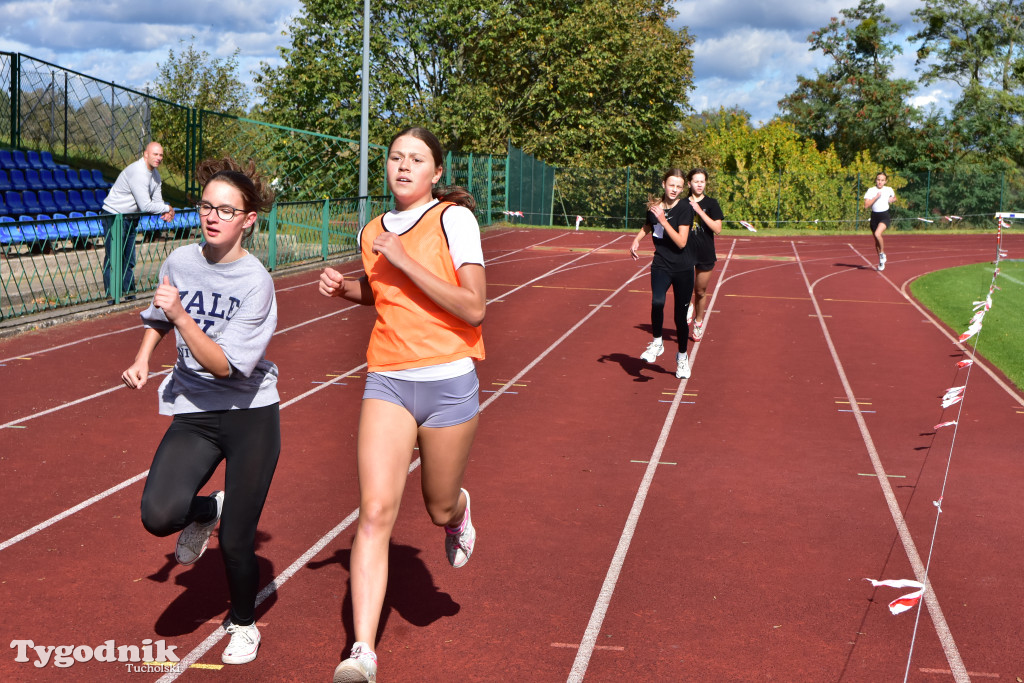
956	664
604	597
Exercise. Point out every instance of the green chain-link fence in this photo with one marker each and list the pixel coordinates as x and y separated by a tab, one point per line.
617	198
91	123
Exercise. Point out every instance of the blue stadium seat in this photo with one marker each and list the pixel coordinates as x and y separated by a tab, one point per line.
90	200
85	176
34	160
48	162
14	204
31	202
46	201
32	179
60	198
101	196
6	160
76	201
49	228
74	180
33	232
60	178
19	159
60	221
10	233
95	224
5	182
98	181
46	180
18	183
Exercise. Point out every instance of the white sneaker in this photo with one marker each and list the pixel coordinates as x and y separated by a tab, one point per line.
698	331
654	349
458	545
194	538
360	667
682	366
881	261
245	643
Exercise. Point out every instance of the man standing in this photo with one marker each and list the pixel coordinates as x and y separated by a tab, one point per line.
136	190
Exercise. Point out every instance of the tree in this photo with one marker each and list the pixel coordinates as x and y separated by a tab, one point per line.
980	47
855	105
569	82
190	78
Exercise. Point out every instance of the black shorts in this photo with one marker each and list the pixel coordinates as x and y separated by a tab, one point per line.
705	267
878	217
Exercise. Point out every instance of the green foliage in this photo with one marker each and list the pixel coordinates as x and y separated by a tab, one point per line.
855	105
600	82
191	78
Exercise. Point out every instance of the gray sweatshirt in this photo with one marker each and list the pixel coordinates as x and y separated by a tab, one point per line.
136	190
234	304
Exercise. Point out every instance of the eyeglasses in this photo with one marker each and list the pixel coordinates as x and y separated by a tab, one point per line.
225	212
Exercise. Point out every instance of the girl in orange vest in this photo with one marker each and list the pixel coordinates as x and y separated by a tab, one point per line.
424	273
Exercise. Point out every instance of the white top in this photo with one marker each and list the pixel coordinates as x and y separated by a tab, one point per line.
884	195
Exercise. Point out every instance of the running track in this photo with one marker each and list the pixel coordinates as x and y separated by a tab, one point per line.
631	526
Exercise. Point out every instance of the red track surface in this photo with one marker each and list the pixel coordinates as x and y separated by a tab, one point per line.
740	556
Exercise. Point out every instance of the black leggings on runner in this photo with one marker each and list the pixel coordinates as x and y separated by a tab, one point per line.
195	443
682	291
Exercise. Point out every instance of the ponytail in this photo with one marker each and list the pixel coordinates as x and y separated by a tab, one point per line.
456	195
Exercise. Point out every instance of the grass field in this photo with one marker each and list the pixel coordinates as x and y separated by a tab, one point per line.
951	294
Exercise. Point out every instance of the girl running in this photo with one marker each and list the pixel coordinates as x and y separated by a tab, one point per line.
707	222
219	300
668	221
424	274
878	199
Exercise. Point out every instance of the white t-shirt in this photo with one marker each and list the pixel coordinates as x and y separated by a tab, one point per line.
884	195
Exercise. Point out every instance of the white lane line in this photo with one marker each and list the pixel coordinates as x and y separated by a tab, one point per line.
604	598
200	650
941	627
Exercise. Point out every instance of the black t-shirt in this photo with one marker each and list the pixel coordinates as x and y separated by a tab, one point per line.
667	255
701	242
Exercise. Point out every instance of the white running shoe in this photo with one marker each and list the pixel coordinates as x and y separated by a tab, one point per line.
194	538
458	545
881	261
698	331
245	643
654	349
682	366
360	667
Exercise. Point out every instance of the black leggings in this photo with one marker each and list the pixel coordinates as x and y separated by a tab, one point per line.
195	443
682	291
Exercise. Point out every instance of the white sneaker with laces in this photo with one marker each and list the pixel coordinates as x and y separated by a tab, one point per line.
698	331
360	667
194	538
682	366
245	643
458	545
881	261
654	349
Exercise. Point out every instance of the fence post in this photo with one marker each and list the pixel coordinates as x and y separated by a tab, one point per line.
469	181
325	222
65	116
448	168
16	100
272	239
116	265
508	166
856	215
490	187
778	204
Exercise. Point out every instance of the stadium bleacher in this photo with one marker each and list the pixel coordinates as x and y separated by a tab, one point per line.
55	198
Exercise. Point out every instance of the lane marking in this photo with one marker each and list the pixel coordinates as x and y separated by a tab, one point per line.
872	474
589	641
575	646
976	674
938	620
645	462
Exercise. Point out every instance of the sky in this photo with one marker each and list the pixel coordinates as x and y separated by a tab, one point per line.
747	53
